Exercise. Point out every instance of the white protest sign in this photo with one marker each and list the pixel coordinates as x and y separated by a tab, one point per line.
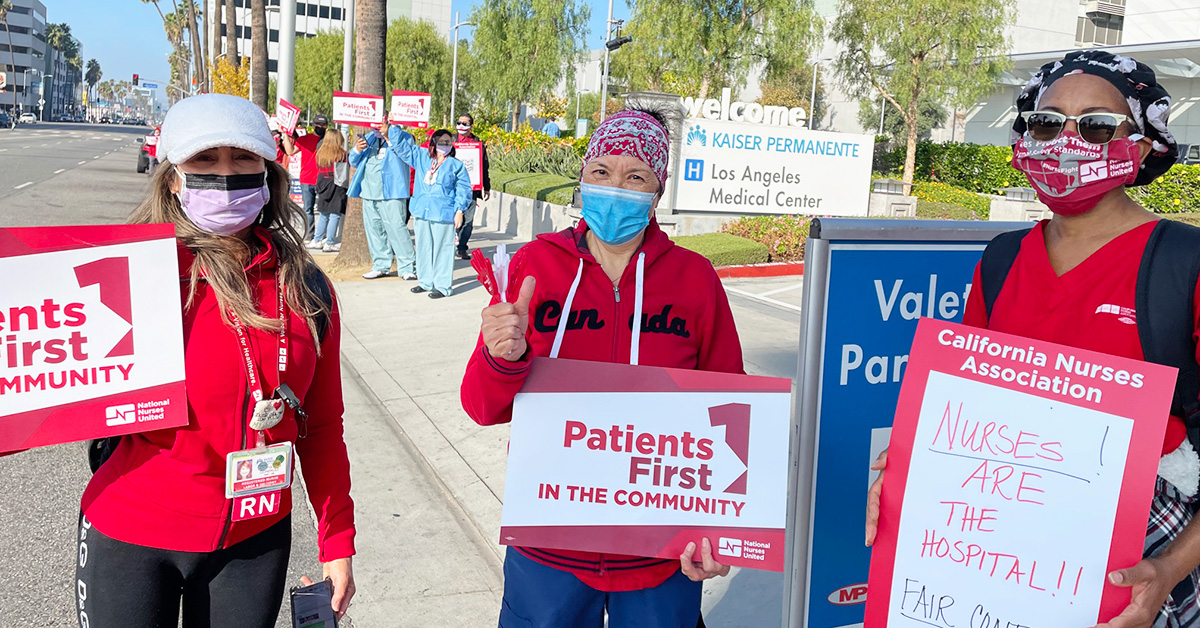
642	460
91	337
357	109
287	115
410	108
1019	475
470	153
753	168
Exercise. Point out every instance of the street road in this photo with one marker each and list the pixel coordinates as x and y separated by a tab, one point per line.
57	174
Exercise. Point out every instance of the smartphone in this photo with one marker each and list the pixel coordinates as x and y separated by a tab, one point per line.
312	606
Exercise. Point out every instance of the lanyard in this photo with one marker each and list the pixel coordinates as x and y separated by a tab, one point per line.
256	388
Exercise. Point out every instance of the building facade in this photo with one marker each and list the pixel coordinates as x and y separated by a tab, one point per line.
26	62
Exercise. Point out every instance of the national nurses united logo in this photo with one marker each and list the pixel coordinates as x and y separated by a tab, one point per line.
697	136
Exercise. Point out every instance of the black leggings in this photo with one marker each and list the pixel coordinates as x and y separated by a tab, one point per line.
131	586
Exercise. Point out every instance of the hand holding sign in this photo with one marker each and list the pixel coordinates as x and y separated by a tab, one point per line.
879	465
504	325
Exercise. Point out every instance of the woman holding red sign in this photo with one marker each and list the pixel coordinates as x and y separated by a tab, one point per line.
196	520
577	294
1089	126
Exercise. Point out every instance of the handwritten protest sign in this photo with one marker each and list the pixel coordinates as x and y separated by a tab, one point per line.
357	109
642	460
470	153
91	335
410	108
288	116
1020	473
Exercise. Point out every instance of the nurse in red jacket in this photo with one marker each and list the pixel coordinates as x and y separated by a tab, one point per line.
1074	281
613	289
159	531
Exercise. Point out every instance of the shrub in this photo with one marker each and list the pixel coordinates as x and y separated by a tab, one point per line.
973	167
783	236
723	249
934	192
1178	190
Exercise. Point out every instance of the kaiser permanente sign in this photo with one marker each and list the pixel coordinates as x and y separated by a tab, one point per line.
748	159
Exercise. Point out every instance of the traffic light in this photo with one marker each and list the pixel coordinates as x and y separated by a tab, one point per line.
135	80
617	42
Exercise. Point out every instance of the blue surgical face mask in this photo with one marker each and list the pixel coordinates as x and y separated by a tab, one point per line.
615	215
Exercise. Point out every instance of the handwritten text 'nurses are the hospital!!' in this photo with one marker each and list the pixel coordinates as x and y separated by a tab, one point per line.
46	346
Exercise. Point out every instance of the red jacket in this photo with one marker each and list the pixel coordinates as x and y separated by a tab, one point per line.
165	488
686	324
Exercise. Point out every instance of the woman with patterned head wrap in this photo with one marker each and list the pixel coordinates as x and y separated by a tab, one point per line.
612	289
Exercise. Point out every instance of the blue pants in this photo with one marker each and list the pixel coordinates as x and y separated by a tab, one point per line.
309	194
464	232
386	224
435	255
537	596
329	228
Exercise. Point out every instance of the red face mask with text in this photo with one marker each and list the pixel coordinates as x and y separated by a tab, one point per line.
1072	175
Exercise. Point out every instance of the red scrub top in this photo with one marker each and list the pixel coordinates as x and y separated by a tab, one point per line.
1090	307
308	158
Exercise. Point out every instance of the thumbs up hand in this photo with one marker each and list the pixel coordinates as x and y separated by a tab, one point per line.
504	325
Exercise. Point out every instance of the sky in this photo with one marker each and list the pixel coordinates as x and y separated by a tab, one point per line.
126	36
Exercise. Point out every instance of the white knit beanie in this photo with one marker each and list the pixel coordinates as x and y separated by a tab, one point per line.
207	121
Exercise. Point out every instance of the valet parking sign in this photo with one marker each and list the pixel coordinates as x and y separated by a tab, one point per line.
752	159
91	334
642	460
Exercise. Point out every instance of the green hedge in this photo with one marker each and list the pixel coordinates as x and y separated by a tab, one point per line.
1176	191
543	187
783	236
973	167
723	249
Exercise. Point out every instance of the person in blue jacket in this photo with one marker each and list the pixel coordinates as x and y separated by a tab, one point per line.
381	180
441	195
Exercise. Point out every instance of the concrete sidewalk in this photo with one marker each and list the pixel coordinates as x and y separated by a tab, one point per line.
411	352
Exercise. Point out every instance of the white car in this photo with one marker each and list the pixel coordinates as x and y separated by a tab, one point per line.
28	118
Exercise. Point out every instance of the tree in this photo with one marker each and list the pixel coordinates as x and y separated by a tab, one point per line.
197	45
525	47
231	79
420	59
93	76
930	115
707	45
5	7
793	88
370	62
953	50
551	107
258	52
318	71
231	37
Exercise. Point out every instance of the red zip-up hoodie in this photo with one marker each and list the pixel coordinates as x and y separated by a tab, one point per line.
165	489
686	323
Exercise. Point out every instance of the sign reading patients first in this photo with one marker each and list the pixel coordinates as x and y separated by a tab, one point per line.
91	334
642	460
750	159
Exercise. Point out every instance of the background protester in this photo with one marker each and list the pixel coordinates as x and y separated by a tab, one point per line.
441	195
466	125
306	146
333	177
1068	271
615	260
382	180
259	322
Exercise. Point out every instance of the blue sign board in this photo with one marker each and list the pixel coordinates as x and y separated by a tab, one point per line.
149	85
867	283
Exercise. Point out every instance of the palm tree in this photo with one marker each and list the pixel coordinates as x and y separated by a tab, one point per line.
57	36
258	52
370	44
174	26
197	45
5	7
93	76
231	37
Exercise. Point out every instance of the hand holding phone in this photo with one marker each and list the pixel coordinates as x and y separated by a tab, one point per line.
312	605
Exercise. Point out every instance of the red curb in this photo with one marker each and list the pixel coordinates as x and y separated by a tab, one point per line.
777	269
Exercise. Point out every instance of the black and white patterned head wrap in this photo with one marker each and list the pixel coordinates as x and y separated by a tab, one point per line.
1149	102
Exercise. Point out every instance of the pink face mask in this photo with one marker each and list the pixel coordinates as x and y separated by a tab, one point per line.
1072	175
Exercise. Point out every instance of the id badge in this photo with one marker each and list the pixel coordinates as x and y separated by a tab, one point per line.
255	471
382	153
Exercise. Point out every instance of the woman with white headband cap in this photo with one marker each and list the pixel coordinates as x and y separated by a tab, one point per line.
167	525
588	293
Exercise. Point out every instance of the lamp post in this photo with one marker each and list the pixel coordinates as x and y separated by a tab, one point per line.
287	49
454	70
812	100
610	46
25	79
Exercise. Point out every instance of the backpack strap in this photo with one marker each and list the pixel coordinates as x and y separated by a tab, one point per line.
1166	286
997	260
316	281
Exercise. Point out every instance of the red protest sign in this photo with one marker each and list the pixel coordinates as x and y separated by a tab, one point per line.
91	337
1020	473
357	109
648	459
410	108
288	116
470	153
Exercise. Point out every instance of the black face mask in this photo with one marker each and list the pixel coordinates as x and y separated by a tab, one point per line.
319	131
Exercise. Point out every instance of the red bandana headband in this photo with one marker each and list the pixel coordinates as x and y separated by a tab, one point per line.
635	134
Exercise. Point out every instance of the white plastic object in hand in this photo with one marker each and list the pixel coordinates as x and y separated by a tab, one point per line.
500	269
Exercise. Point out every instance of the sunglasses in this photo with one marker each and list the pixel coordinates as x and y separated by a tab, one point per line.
1094	128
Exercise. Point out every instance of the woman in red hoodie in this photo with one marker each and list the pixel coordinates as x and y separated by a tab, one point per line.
167	522
613	289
